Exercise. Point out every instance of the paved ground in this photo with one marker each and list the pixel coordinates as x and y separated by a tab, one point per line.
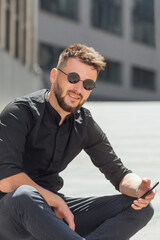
134	131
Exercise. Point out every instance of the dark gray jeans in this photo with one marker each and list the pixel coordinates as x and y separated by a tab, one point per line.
25	215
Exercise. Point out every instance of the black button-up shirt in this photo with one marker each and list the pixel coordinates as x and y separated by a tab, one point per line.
32	141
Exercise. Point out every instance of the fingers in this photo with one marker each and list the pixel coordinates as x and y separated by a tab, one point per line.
146	181
139	204
71	224
69	218
142	203
64	213
135	207
151	195
143	187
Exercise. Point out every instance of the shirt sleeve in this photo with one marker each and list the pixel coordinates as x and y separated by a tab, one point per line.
102	154
14	126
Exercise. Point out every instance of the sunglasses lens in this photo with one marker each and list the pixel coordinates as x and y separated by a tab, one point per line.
89	84
73	77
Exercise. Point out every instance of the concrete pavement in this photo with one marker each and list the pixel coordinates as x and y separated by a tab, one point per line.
134	131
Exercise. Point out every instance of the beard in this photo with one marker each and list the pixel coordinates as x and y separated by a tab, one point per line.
61	100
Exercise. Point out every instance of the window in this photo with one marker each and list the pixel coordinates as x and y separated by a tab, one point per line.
143	79
112	72
48	56
17	27
107	15
65	8
143	21
8	15
0	20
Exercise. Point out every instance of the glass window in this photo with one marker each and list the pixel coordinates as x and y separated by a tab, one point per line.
112	72
107	15
0	21
48	56
8	5
66	8
143	79
17	28
20	45
143	21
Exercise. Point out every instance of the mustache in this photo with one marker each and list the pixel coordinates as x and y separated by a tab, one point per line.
78	94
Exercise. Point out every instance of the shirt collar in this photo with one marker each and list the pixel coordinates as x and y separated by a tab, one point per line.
53	112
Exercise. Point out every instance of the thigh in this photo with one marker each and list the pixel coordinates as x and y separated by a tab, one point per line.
25	213
9	227
89	213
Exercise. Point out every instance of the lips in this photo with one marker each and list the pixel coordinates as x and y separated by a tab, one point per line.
74	96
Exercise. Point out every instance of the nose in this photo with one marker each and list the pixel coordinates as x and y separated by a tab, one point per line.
78	86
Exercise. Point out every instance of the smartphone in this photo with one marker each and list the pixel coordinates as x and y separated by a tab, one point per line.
150	190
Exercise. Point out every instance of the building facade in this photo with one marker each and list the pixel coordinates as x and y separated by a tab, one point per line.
18	30
125	32
18	49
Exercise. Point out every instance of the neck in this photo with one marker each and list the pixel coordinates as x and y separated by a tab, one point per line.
53	101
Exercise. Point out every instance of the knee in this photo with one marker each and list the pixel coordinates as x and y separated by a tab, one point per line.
145	215
142	217
24	191
25	195
148	212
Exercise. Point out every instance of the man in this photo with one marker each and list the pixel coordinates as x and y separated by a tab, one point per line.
40	134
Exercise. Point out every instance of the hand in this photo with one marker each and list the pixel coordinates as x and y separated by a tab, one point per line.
144	187
63	212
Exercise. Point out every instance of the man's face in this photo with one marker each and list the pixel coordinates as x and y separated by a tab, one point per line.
71	97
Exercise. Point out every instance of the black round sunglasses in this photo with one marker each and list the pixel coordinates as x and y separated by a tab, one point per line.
74	77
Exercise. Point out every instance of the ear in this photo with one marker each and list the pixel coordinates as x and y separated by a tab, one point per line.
53	74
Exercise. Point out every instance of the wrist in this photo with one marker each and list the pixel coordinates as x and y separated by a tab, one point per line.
137	189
